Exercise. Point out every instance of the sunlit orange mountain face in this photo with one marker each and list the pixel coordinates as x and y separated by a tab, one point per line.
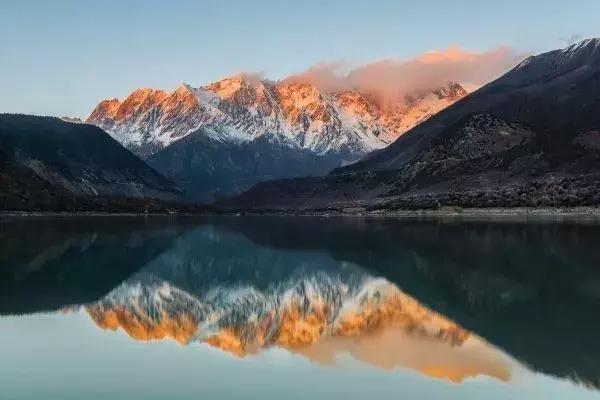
244	108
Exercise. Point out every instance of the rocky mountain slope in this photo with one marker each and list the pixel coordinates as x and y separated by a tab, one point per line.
210	169
48	163
530	138
242	130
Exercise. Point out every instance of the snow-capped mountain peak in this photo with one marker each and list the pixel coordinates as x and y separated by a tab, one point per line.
243	107
229	87
106	110
584	54
589	44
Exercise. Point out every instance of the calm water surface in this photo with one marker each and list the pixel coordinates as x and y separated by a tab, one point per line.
298	308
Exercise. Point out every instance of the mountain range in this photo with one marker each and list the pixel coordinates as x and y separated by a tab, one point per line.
224	137
529	138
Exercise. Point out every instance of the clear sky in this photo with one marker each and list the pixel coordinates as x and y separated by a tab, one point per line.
62	57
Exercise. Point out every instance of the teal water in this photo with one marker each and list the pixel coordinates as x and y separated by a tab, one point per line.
298	308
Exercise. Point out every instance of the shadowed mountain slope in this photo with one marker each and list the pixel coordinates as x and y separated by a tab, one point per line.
49	164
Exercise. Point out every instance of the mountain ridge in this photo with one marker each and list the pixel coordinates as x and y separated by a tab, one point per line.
244	108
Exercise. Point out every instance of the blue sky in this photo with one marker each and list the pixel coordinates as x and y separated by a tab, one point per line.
62	57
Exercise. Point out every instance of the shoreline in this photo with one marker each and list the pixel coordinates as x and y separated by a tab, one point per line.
579	214
576	214
18	214
499	214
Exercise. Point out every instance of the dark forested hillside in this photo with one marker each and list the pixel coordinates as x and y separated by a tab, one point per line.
49	164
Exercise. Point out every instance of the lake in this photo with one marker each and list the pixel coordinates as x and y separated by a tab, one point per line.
298	308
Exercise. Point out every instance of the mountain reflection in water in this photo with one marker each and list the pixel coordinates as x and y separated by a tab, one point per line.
450	300
315	313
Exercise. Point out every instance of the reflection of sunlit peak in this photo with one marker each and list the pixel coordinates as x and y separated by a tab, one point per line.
320	316
180	328
394	348
381	304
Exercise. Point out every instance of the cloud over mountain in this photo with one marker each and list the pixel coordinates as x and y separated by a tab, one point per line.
392	78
